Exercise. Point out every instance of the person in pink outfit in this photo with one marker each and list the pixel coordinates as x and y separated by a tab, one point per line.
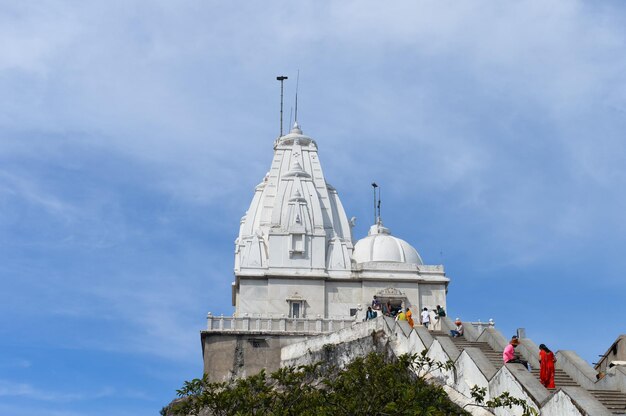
508	355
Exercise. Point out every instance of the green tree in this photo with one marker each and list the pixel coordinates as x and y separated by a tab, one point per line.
369	385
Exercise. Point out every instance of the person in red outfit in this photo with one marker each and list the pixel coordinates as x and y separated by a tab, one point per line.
546	361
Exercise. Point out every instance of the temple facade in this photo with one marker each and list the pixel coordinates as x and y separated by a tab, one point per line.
299	272
295	255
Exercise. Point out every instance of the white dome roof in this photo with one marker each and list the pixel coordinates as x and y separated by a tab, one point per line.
380	245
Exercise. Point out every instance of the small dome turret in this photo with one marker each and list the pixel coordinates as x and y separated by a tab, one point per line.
381	246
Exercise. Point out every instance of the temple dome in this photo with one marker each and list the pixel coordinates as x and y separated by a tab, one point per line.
381	246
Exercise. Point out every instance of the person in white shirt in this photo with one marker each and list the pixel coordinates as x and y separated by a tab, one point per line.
435	322
425	317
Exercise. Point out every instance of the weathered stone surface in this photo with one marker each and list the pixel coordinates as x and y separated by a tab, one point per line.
574	401
615	353
614	379
472	368
448	346
416	344
339	347
494	338
439	354
518	381
232	355
424	335
577	368
529	351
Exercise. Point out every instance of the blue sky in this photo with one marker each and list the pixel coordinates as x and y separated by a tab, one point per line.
132	134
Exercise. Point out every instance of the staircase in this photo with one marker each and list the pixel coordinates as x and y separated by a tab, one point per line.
614	401
494	357
560	378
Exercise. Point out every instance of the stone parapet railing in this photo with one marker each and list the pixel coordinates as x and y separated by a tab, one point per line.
615	378
529	350
577	368
494	338
317	325
480	326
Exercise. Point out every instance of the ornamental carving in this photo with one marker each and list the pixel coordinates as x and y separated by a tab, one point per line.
295	297
390	291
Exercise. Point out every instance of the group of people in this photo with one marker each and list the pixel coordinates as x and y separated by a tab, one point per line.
386	309
546	361
430	319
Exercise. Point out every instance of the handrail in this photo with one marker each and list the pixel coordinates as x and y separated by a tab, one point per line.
482	325
276	324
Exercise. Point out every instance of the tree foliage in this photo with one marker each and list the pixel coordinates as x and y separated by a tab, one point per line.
369	385
503	400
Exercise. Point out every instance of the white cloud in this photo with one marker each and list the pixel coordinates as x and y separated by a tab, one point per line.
13	186
11	388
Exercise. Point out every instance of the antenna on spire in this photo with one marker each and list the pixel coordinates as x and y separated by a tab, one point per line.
281	78
290	116
374	186
297	83
379	217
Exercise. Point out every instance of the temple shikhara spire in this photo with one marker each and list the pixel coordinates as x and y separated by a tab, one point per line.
296	238
293	216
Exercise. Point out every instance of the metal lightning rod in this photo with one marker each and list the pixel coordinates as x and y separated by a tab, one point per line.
297	84
281	78
374	186
379	217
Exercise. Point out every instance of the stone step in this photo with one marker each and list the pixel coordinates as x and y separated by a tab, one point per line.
494	357
614	401
611	399
561	378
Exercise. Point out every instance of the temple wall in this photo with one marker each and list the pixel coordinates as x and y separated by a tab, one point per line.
339	347
233	355
252	296
329	298
312	291
431	295
342	296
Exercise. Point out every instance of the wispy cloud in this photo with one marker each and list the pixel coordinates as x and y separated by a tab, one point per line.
10	388
9	362
13	186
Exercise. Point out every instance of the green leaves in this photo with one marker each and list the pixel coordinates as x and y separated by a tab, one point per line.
369	385
503	400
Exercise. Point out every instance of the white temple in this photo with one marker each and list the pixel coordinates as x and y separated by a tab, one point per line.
295	255
302	285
